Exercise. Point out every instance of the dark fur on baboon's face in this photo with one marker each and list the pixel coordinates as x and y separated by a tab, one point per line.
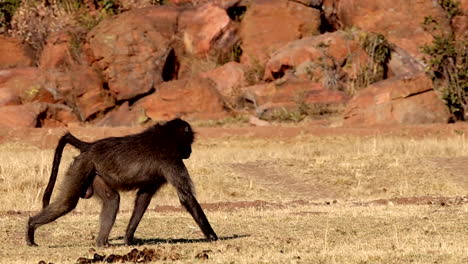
144	161
183	135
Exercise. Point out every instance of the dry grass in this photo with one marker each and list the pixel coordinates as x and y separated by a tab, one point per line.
349	169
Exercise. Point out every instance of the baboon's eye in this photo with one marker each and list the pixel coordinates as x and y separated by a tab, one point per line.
186	129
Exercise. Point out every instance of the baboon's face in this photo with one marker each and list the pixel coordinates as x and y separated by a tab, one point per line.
186	139
183	136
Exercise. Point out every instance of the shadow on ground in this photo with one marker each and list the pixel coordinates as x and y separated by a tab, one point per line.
153	241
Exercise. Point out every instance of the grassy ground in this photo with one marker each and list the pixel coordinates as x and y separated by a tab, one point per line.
317	191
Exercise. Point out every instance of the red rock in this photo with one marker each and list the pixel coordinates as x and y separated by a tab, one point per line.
124	115
57	52
14	53
294	92
255	121
460	26
400	20
195	98
9	97
463	7
229	78
270	24
23	85
21	115
407	99
131	49
339	45
59	115
82	89
207	28
402	63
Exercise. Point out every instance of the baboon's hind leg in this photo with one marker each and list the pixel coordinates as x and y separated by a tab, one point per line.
67	200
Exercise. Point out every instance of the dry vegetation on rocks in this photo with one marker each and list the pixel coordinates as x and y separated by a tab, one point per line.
278	60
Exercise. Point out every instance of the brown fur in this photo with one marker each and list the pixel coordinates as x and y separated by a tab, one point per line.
144	161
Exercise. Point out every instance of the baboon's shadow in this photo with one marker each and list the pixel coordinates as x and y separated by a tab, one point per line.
154	241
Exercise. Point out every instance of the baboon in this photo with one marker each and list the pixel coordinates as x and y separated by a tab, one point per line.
143	162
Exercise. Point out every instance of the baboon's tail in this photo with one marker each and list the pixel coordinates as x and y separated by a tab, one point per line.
72	140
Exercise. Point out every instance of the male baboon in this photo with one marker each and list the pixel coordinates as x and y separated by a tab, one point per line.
143	161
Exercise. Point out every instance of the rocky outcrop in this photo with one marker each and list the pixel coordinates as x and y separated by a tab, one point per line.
406	99
310	56
292	92
400	21
196	59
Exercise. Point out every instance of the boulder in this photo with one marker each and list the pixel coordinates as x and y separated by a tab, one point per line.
61	51
402	63
270	24
207	28
404	99
309	56
58	115
23	85
27	115
188	98
123	115
400	21
14	53
293	92
81	88
131	49
229	78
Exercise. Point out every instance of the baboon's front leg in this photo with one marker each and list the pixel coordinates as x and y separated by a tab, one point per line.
142	201
194	208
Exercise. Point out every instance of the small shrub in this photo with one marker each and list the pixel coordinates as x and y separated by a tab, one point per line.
7	11
233	54
379	50
451	7
254	73
446	63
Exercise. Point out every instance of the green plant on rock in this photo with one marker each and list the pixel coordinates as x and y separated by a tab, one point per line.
109	6
380	51
76	46
446	63
286	115
452	8
7	10
333	76
255	72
